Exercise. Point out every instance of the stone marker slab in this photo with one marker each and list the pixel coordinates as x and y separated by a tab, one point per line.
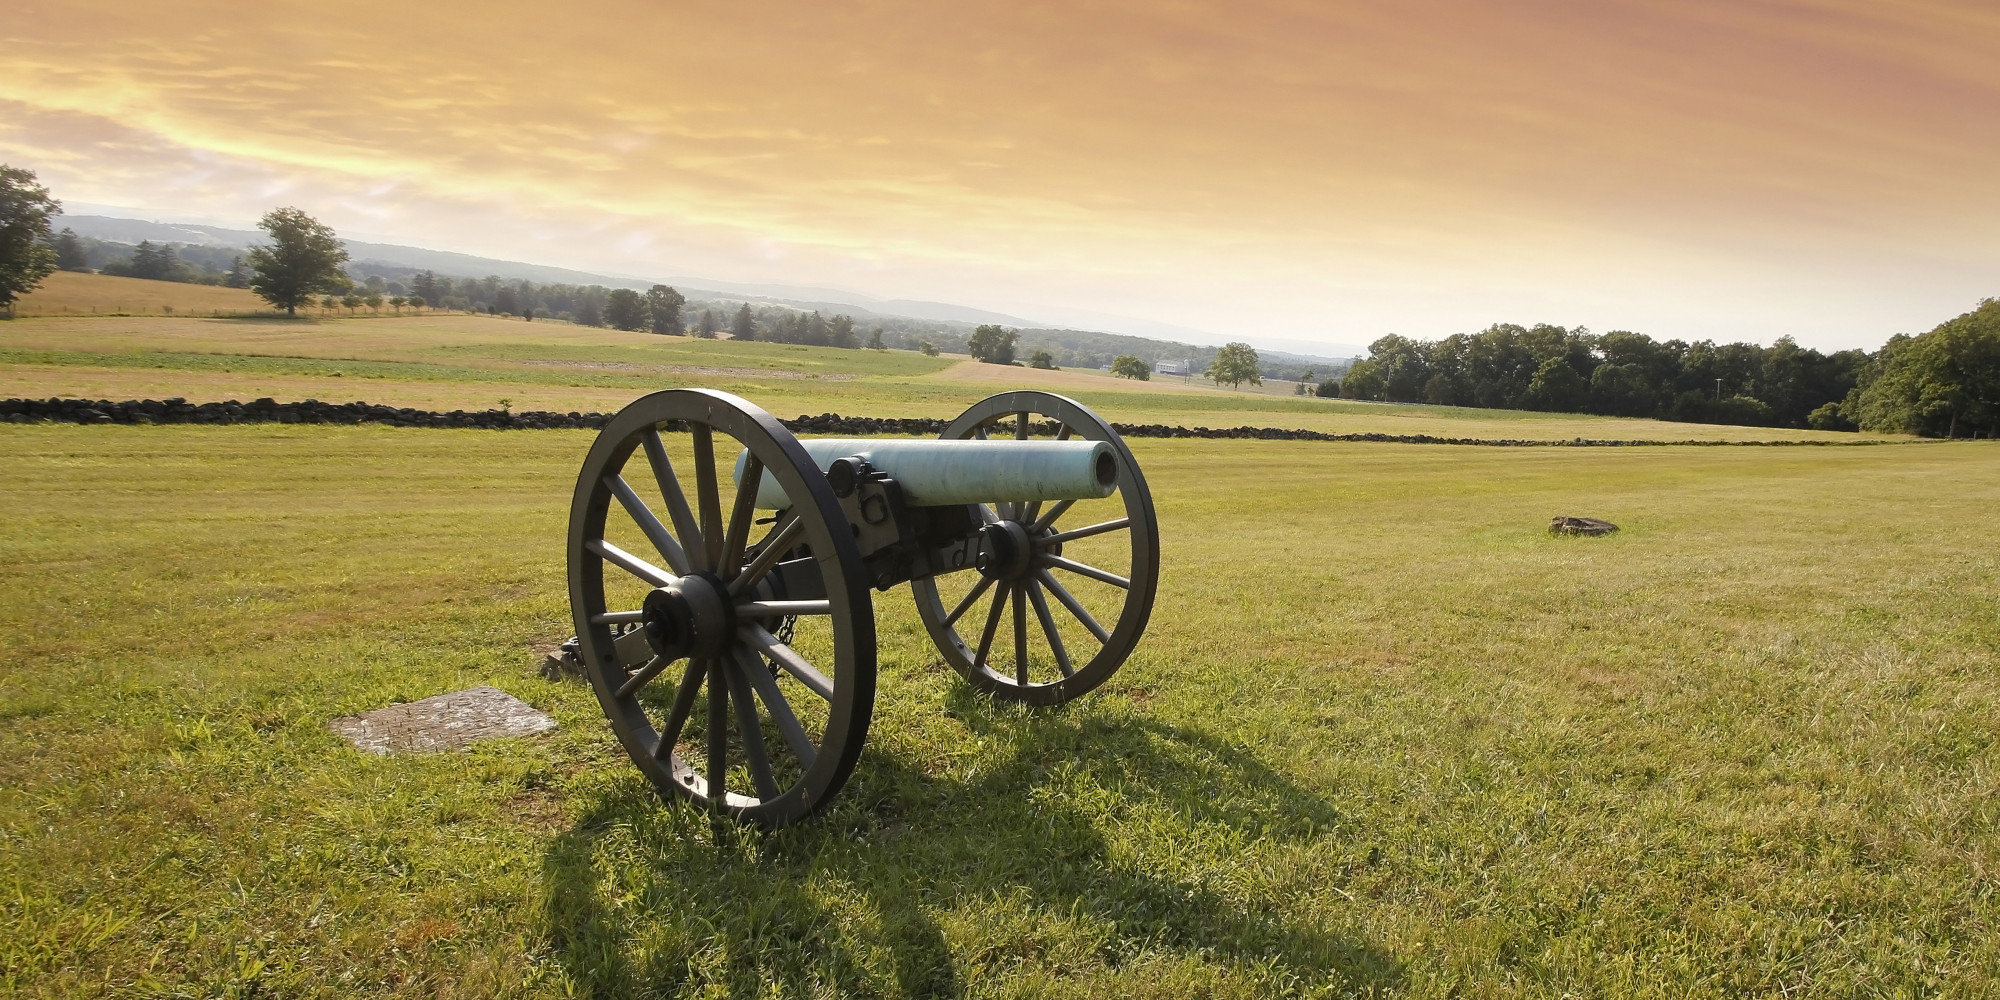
445	722
1586	526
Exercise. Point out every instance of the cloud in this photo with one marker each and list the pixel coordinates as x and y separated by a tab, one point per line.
1335	169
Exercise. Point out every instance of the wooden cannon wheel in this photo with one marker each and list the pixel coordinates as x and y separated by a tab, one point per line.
666	606
1099	609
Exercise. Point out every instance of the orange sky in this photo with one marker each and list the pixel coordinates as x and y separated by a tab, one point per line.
1322	171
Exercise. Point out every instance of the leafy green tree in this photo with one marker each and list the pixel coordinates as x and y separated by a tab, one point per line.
239	274
71	255
991	344
1945	383
418	303
744	326
1329	389
154	262
1404	367
1127	366
1234	364
875	340
929	349
664	306
303	260
708	326
1558	388
840	332
373	300
506	301
1363	381
351	301
1039	359
626	309
25	254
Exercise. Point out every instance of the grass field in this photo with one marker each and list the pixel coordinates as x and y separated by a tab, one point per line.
474	362
68	293
1385	736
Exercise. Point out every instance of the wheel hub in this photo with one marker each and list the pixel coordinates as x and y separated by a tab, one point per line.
1005	551
693	617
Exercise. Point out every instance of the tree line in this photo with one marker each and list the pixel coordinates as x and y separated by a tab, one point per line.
1620	373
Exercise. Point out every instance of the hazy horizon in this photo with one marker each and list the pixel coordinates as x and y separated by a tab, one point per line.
1324	174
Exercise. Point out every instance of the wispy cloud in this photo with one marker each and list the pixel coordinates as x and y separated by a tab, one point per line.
1314	169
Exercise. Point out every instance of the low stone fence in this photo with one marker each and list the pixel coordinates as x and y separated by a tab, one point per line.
313	411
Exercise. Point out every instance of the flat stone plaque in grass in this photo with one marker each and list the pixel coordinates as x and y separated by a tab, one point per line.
445	722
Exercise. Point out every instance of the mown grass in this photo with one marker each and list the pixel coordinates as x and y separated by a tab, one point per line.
69	293
1384	736
472	362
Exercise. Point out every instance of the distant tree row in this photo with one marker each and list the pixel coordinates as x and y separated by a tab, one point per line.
1619	373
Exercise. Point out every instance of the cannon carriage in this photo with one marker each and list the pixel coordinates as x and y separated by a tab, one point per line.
722	574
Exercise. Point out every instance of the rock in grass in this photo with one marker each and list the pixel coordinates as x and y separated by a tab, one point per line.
445	722
1580	526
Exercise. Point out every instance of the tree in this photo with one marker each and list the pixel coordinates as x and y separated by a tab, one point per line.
1557	387
418	303
709	325
397	302
625	309
505	301
1362	381
928	349
991	344
239	273
71	255
1040	359
744	326
840	332
875	340
1234	364
1329	389
25	254
664	305
303	260
1945	383
425	286
1127	366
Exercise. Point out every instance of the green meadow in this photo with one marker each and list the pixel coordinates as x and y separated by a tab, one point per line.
1385	736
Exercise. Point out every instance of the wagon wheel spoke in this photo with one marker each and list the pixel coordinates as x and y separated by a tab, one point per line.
964	605
1075	533
1069	601
789	660
775	546
1082	569
643	675
655	532
776	609
1049	629
1021	426
1049	516
708	496
1020	596
630	563
992	626
677	717
718	735
755	755
780	709
740	517
670	491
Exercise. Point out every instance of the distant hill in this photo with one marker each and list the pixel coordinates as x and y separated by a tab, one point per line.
1148	340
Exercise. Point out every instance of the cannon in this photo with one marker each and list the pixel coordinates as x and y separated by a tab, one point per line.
722	572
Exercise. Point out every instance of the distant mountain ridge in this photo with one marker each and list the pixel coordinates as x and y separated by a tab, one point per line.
1162	340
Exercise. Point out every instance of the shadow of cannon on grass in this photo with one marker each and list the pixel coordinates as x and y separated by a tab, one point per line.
919	883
